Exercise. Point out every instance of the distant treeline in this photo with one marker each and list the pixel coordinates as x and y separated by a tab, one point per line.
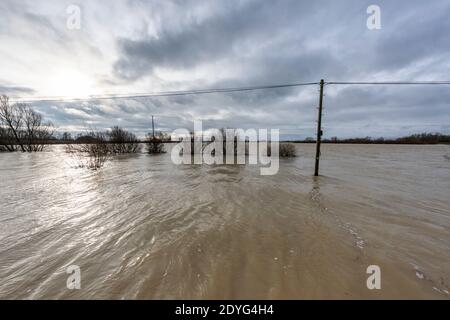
114	135
420	138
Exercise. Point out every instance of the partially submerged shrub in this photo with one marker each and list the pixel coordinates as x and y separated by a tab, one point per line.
92	154
287	150
122	141
155	143
237	146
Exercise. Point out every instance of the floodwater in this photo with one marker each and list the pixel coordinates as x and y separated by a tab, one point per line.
145	228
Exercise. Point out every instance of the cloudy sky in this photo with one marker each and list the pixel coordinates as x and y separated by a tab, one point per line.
134	46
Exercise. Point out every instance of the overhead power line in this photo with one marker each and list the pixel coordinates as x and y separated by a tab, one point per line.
164	93
391	83
218	90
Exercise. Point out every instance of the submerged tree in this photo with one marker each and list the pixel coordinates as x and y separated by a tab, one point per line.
287	150
94	148
155	142
122	141
37	133
66	136
93	153
22	128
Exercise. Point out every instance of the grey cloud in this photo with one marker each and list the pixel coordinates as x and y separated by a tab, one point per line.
13	90
244	43
220	36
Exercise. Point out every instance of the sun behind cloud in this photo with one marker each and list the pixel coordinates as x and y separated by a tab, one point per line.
69	83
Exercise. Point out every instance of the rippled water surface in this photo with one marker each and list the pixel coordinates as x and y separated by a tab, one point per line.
143	227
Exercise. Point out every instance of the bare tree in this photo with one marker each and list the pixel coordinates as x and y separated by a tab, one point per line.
287	150
122	141
36	133
5	140
11	122
22	128
66	136
92	154
155	143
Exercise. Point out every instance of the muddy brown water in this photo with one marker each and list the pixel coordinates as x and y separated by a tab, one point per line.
143	227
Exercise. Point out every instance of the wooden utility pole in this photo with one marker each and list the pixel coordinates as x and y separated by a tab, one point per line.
153	128
319	130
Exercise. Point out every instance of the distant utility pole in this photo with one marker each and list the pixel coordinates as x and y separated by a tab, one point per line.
153	128
319	130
